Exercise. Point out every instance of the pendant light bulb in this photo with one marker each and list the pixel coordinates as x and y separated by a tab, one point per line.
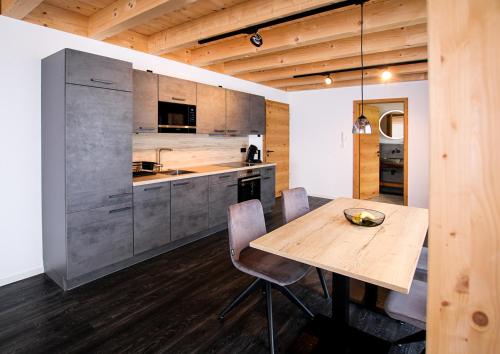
328	80
386	75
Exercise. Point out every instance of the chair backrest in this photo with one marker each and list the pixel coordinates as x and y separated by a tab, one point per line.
294	203
245	223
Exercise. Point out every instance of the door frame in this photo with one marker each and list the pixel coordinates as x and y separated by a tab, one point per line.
356	160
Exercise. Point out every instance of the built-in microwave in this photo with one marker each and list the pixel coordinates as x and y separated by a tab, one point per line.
176	118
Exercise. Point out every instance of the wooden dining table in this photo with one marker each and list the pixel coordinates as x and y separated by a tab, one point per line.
384	255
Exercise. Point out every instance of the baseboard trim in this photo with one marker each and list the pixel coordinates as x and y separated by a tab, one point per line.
21	276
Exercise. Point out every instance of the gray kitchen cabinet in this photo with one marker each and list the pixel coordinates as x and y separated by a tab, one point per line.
98	147
151	216
97	71
267	187
257	123
210	109
237	112
87	115
223	192
98	238
145	102
189	207
171	89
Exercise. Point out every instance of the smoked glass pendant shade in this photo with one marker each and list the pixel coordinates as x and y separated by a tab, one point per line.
362	126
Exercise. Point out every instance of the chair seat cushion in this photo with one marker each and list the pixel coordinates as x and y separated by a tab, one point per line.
409	308
423	259
270	267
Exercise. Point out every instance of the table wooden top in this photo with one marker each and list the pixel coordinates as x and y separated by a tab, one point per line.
385	255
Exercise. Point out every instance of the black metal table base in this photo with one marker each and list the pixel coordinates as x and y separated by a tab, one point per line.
334	335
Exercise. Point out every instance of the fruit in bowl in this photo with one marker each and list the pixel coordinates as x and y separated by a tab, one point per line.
364	217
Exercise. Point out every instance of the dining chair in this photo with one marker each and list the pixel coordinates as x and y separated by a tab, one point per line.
294	204
245	224
410	308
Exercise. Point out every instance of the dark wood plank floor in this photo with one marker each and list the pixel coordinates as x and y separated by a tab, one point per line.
167	304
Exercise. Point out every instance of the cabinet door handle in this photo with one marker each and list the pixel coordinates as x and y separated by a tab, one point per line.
269	169
178	99
152	188
180	184
267	177
119	210
254	131
118	195
232	185
225	176
231	131
146	129
101	81
218	131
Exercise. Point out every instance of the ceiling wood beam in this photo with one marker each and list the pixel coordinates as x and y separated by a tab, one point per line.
130	39
236	17
19	8
58	18
125	14
405	37
369	81
348	75
391	57
378	16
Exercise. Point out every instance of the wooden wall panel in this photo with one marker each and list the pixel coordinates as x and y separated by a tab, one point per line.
463	310
277	140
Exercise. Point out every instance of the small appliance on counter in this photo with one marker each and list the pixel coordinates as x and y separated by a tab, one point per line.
144	168
252	151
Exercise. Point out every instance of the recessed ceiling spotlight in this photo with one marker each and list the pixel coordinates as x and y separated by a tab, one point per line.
328	80
386	75
256	39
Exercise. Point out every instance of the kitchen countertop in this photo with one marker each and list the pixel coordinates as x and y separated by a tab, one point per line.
199	171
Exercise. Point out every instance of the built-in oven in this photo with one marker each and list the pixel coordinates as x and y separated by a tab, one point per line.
248	185
176	118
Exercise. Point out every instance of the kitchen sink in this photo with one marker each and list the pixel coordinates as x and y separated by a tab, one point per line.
175	172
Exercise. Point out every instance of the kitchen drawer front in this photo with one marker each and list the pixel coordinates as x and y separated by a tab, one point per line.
268	171
392	175
230	177
190	193
171	89
267	191
99	237
98	146
97	71
151	222
187	222
221	196
153	191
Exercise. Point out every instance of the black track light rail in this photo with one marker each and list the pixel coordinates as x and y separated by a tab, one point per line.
298	16
380	66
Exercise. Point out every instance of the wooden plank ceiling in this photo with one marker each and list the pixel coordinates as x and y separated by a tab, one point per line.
308	47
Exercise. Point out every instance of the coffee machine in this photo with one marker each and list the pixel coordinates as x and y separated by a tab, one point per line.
251	152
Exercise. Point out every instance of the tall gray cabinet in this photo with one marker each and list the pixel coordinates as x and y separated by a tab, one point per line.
86	152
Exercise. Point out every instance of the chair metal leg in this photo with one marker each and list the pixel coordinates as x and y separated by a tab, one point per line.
323	283
285	291
269	307
252	287
412	338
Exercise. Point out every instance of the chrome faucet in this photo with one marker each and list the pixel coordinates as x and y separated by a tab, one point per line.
158	155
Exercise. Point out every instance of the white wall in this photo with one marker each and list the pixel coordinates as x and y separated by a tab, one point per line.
23	45
322	162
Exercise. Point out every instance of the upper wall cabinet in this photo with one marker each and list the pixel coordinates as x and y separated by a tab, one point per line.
237	112
210	110
257	122
175	90
97	71
145	102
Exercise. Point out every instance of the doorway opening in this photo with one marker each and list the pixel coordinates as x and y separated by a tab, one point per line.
381	158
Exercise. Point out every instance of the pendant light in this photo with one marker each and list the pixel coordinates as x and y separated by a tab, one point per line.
362	124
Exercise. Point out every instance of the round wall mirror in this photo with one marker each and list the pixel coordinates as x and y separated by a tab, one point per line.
392	124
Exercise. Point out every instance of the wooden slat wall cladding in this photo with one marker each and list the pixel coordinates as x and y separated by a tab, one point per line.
395	32
463	310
